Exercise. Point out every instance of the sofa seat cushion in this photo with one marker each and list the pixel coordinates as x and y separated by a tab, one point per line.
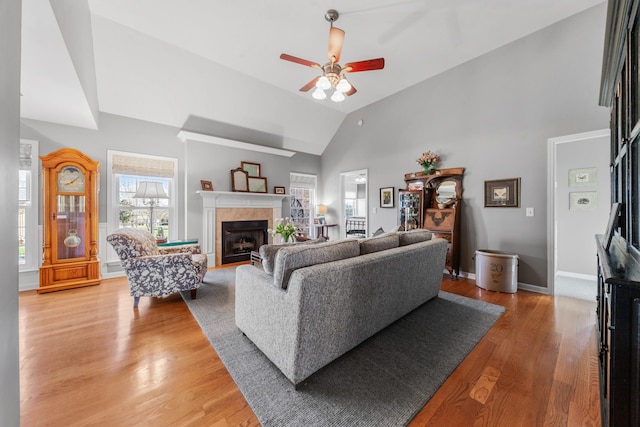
379	243
268	252
414	236
290	258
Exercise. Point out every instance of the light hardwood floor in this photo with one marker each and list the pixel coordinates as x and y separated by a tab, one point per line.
88	358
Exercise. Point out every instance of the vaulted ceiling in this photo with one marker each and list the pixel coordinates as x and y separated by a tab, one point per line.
214	67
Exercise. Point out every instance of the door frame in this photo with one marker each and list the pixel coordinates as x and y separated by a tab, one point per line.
552	230
343	219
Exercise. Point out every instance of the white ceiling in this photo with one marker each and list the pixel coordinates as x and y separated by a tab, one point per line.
186	62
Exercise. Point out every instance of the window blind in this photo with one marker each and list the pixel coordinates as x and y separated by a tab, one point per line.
142	166
302	181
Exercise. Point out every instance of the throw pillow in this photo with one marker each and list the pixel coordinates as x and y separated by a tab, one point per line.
298	256
380	243
268	252
414	236
378	232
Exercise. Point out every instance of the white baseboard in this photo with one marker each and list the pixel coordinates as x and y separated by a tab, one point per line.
576	275
521	285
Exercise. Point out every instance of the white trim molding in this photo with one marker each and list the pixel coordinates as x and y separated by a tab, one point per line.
209	139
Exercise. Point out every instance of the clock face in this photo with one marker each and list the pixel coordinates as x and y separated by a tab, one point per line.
71	179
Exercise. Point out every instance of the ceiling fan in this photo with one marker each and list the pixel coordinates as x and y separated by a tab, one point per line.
333	75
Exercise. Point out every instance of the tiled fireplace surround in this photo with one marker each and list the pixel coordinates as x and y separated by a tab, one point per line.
219	206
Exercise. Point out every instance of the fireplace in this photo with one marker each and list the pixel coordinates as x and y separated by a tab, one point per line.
239	238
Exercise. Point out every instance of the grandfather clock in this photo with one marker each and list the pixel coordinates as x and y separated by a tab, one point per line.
69	221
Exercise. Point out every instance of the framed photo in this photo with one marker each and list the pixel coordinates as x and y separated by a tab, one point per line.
386	197
611	225
583	177
206	185
583	200
253	169
257	184
239	180
502	193
279	190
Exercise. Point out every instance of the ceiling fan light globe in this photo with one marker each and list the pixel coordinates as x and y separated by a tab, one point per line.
343	86
323	83
318	94
337	96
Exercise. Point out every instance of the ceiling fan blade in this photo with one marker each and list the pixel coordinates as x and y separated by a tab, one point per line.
368	65
336	37
351	91
309	85
299	61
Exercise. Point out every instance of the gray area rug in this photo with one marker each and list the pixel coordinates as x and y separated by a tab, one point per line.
384	381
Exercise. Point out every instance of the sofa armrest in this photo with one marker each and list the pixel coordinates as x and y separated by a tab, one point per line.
267	315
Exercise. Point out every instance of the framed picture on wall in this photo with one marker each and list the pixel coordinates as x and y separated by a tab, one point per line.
279	190
502	193
583	200
386	197
583	177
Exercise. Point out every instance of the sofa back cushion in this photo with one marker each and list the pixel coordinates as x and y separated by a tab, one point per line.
290	258
414	236
379	243
268	252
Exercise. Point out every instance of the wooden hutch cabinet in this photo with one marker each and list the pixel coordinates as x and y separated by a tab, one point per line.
434	202
69	221
618	312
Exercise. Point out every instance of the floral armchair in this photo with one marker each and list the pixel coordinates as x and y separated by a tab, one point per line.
154	271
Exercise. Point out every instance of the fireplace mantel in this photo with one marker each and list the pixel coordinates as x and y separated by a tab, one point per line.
236	199
216	205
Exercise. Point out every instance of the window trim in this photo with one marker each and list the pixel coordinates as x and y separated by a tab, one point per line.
112	196
33	248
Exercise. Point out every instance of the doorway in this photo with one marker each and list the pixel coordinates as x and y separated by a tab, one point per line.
353	202
578	191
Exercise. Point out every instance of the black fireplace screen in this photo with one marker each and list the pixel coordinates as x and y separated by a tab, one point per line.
239	238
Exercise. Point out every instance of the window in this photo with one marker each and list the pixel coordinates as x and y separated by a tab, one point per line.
127	208
303	200
28	251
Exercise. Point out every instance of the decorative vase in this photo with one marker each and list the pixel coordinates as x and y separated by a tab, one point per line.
427	170
72	240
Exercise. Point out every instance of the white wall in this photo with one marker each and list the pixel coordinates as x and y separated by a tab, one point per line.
10	18
492	115
576	252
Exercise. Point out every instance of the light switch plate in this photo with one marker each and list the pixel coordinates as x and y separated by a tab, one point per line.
530	212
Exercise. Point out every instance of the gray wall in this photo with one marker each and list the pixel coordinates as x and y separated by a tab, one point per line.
196	161
493	116
576	228
214	163
10	18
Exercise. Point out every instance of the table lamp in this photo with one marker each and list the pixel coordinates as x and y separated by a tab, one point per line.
152	191
322	211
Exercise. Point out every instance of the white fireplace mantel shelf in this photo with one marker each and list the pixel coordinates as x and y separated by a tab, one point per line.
236	199
214	200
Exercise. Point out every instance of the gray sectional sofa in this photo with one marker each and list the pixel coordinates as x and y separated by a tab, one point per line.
311	303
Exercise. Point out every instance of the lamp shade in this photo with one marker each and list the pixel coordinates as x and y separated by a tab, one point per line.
150	190
322	210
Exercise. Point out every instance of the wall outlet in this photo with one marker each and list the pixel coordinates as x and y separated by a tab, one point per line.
530	212
375	210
